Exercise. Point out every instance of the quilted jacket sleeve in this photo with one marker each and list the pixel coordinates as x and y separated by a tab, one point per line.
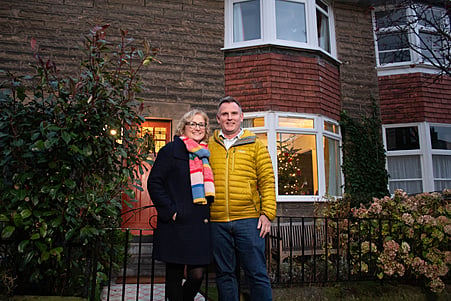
265	181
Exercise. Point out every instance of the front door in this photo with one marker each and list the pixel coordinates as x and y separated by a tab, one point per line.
142	215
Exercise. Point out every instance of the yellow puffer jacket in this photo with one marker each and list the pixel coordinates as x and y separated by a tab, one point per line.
244	179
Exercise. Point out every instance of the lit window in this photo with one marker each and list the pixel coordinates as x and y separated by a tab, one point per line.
305	170
297	164
254	122
301	123
332	166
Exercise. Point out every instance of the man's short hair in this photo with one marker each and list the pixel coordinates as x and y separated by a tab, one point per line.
228	99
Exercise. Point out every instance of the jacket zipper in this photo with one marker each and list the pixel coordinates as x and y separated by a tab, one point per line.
227	185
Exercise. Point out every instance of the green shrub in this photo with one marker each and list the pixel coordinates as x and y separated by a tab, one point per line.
64	173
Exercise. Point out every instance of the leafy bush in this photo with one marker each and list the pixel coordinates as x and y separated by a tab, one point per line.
64	171
404	237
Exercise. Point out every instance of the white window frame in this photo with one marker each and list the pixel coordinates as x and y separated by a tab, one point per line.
268	27
413	37
425	151
271	129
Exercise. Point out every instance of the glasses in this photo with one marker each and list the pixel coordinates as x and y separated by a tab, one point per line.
193	124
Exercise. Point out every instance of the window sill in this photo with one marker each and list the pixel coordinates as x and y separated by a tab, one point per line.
406	68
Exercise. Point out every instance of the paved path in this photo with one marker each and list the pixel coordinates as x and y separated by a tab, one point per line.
144	293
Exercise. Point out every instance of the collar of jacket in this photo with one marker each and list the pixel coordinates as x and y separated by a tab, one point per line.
180	150
247	138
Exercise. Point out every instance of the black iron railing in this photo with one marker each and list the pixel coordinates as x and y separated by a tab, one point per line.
300	250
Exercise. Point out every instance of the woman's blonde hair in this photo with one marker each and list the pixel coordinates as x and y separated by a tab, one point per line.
187	117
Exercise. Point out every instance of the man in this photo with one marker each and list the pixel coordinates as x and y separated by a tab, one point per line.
244	206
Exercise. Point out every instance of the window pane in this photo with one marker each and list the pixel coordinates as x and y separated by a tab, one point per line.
402	138
290	21
254	122
405	173
263	137
297	167
332	166
411	187
331	127
442	166
246	21
322	25
431	46
393	47
433	17
442	172
291	122
441	137
391	18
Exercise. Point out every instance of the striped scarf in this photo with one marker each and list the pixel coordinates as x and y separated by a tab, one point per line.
202	184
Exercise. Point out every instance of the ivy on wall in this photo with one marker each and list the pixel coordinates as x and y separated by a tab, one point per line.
363	158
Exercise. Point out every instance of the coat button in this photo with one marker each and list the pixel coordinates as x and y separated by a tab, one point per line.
206	221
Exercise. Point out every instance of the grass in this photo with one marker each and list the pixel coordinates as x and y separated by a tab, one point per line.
362	291
358	291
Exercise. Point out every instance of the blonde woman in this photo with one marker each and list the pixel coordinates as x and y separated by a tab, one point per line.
181	187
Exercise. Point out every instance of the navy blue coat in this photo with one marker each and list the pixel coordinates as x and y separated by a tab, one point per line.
187	239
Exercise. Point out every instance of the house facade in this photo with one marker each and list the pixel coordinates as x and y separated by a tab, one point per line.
293	64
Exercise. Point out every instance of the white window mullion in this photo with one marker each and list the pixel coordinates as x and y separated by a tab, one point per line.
426	157
320	161
310	19
268	21
272	145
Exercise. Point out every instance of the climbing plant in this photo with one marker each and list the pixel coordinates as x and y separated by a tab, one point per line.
363	158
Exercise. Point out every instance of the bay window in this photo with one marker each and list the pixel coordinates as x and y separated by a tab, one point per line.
305	152
411	34
418	157
293	23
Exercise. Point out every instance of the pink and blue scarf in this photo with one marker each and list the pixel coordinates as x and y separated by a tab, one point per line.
202	184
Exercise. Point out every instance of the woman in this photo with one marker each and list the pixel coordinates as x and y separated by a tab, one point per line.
181	187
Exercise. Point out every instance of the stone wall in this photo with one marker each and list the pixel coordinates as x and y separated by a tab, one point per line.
189	34
355	47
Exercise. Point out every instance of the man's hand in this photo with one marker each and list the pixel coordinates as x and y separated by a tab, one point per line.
264	225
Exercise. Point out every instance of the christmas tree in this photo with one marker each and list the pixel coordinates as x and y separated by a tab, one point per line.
291	179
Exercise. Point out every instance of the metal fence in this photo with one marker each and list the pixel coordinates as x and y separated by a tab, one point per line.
299	251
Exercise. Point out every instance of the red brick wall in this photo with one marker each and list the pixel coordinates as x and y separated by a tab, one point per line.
288	82
415	97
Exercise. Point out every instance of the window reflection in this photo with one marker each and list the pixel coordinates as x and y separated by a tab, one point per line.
290	21
246	21
402	138
441	137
